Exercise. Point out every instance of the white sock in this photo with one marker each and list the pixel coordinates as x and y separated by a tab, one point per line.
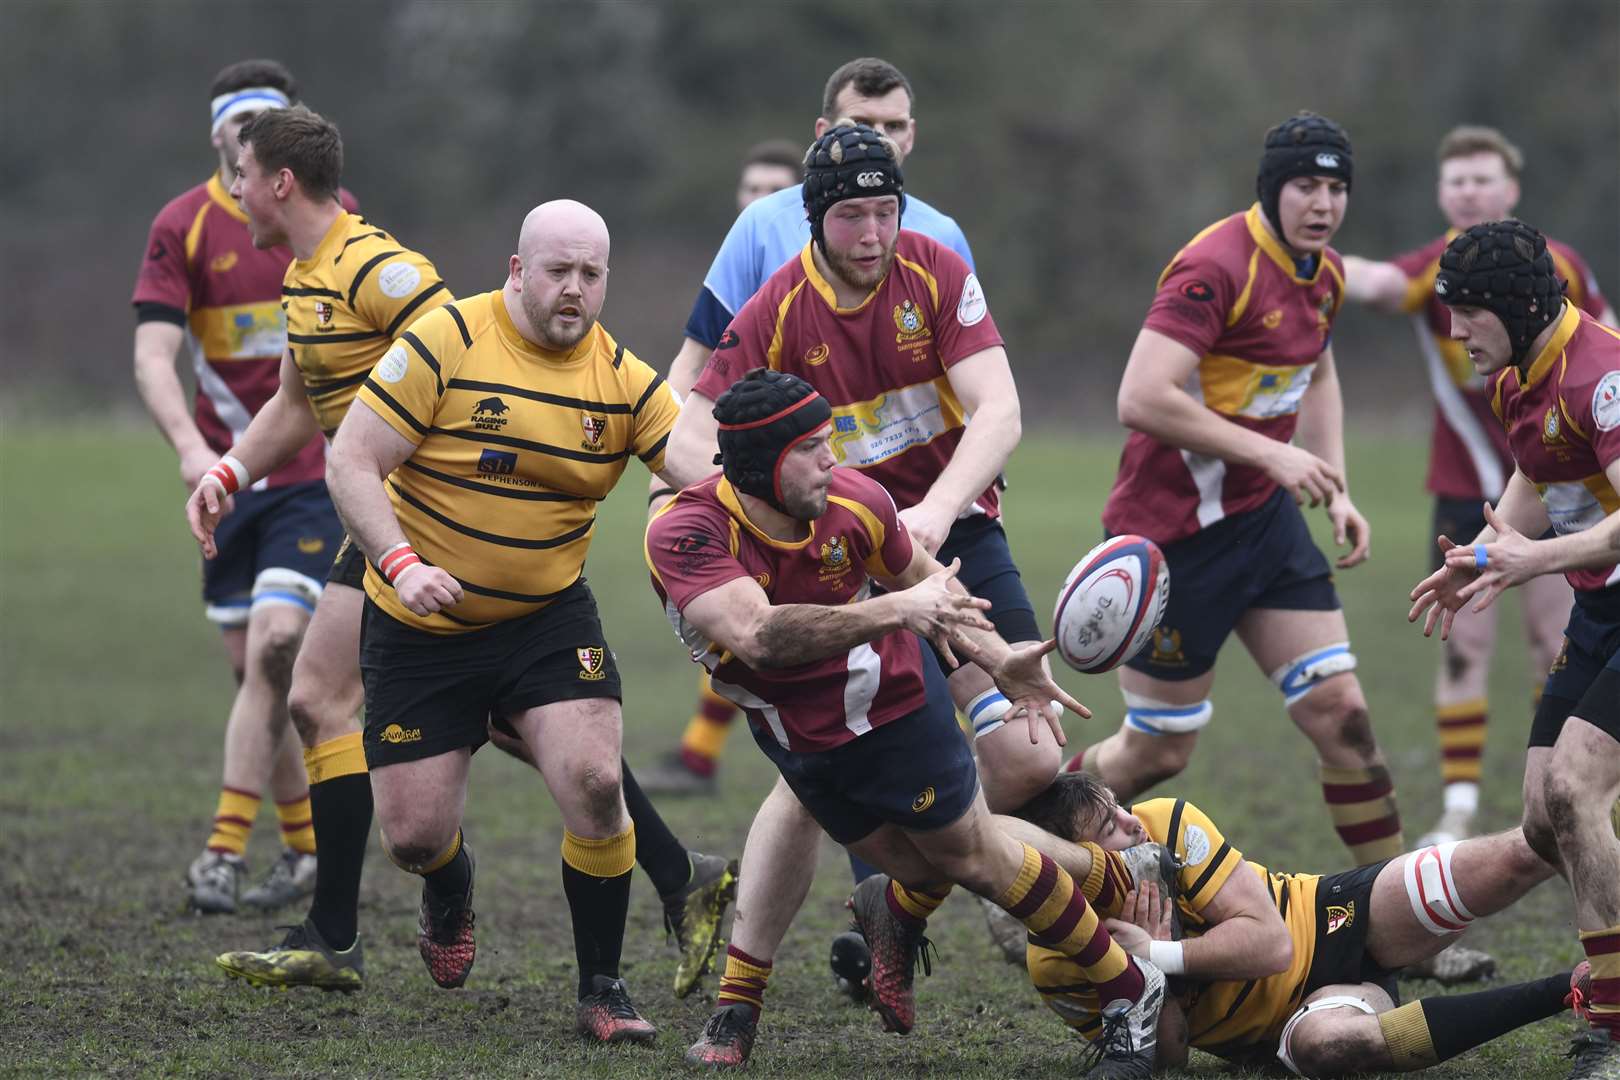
1462	796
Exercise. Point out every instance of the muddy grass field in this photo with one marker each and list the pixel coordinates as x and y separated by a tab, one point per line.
113	693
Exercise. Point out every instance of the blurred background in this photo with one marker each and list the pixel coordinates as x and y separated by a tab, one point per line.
1079	144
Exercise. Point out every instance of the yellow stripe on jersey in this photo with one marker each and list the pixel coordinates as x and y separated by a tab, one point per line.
1234	386
240	331
346	303
928	279
514	448
773	353
1242	303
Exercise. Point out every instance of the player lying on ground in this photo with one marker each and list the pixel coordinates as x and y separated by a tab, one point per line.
1300	966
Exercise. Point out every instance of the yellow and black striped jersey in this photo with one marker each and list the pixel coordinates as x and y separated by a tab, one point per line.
1226	1017
514	448
346	303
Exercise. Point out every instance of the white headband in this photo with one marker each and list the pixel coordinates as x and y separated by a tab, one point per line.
249	97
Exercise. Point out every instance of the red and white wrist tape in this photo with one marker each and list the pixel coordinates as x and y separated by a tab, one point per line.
230	474
396	560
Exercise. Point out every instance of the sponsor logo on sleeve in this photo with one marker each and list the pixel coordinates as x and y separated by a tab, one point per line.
1197	845
398	280
971	308
392	367
1606	402
728	340
1198	290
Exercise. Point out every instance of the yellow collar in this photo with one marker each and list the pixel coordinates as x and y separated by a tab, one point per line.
1567	324
217	192
1274	248
580	352
728	498
813	275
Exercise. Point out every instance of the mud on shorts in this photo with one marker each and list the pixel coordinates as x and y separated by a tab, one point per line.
916	772
274	548
1584	680
428	694
1261	558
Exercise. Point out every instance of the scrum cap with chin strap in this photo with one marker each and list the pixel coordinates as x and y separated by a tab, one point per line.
1302	145
849	161
762	416
1505	268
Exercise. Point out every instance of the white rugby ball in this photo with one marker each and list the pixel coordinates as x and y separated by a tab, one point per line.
1110	603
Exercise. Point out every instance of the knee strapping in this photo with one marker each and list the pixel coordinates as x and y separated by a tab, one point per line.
1301	675
1338	1001
1432	889
278	585
1152	717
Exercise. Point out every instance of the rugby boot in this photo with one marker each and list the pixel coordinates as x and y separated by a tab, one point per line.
302	959
291	878
673	776
1579	998
1157	863
1596	1055
851	964
727	1040
1130	1035
445	933
1454	964
215	878
895	947
1453	825
606	1015
694	913
1007	934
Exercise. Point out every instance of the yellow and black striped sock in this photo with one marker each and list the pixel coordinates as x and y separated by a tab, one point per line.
1462	740
297	826
596	881
1044	898
1361	803
744	981
233	821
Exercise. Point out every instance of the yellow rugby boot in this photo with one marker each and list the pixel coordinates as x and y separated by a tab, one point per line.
693	915
302	959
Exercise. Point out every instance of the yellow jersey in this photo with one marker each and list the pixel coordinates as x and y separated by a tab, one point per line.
346	303
515	446
1226	1017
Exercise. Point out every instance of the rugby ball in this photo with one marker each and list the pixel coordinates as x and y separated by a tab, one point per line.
1110	603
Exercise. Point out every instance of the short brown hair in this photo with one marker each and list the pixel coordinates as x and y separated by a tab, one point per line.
1472	139
870	77
1070	805
777	152
300	140
249	73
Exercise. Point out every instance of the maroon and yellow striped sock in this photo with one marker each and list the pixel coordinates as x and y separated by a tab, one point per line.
707	731
913	906
1107	883
297	824
1044	898
1462	740
1361	803
233	821
1603	952
744	981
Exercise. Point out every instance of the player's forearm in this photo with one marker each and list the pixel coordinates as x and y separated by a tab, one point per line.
1175	417
1378	283
276	434
1519	507
687	366
793	634
1238	948
692	443
1321	418
1590	549
156	344
988	440
356	486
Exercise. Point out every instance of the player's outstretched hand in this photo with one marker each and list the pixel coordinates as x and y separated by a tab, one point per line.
1440	594
1144	920
207	504
936	611
425	589
1023	677
1349	527
1303	475
1510	560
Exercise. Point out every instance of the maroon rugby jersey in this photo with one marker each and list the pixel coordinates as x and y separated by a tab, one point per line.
702	539
1563	423
1468	451
200	262
1233	297
882	365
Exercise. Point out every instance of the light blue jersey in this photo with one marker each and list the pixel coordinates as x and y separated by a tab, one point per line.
768	233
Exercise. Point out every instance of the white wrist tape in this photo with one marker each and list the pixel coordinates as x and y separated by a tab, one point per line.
1168	957
230	474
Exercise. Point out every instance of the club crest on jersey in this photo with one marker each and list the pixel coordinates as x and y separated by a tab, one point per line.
593	426
323	316
489	414
222	264
834	559
1324	312
1551	432
590	663
1272	319
911	329
817	355
1340	917
1167	647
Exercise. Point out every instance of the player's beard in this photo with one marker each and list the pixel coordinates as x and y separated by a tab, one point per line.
555	337
856	277
805	504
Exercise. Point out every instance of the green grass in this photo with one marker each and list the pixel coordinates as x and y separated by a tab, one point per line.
112	700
